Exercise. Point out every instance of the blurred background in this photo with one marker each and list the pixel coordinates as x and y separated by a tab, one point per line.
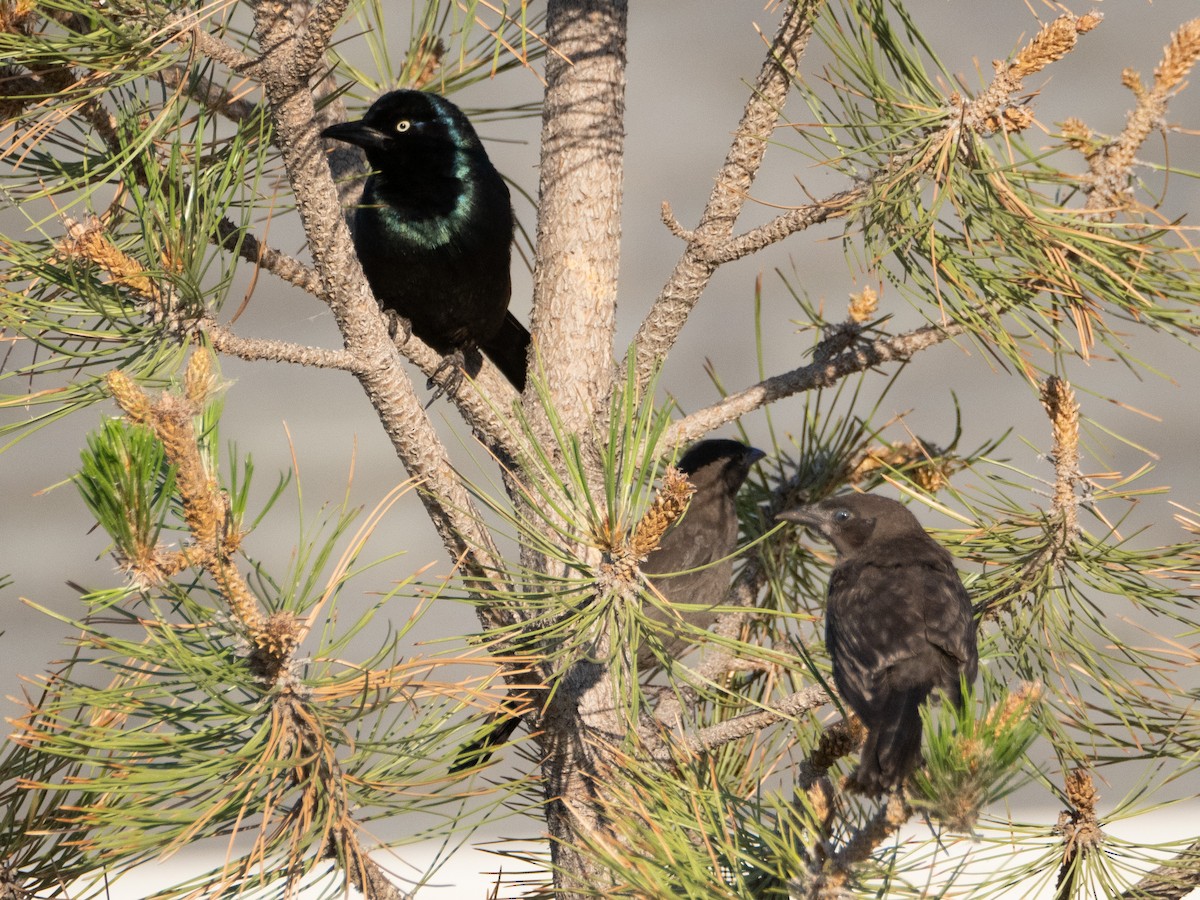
689	65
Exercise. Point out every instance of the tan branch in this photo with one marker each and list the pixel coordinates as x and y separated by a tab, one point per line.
1173	880
661	327
188	30
249	248
859	847
319	27
224	340
212	96
1111	165
714	736
820	374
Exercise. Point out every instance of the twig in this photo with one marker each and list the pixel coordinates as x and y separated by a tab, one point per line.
1173	880
833	207
1111	165
714	736
661	327
249	248
207	92
315	40
1059	402
821	374
224	340
1063	527
860	845
1056	39
189	31
1079	827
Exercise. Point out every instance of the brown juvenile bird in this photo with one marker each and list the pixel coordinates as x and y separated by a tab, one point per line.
898	626
706	532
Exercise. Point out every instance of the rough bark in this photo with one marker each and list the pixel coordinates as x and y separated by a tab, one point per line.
579	222
574	319
342	283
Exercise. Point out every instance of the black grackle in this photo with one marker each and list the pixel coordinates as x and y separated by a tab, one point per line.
434	231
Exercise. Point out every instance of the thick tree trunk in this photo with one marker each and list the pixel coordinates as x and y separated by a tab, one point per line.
574	319
579	221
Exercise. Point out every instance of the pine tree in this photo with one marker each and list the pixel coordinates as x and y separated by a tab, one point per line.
211	695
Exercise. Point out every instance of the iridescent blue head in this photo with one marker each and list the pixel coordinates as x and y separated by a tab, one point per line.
407	130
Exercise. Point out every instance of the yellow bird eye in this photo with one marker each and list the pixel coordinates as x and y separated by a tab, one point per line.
403	125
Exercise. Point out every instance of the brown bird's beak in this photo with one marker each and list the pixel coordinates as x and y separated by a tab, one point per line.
802	515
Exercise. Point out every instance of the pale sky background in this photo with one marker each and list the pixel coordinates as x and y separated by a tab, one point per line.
687	64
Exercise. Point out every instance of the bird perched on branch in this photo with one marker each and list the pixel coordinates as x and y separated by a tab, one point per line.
898	626
707	532
434	231
703	536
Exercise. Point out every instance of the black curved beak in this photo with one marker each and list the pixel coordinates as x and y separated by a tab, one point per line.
357	133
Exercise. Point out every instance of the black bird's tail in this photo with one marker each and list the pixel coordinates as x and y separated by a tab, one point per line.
508	348
893	748
492	734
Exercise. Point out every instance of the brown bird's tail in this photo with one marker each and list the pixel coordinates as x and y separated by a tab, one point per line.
508	348
893	748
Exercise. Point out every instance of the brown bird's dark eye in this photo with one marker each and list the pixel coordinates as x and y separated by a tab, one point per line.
841	516
403	125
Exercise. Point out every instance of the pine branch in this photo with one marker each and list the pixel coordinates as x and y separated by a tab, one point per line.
224	340
715	736
821	374
190	32
249	248
1173	880
446	500
662	325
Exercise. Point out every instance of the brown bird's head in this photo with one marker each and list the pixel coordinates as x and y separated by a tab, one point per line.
719	460
848	521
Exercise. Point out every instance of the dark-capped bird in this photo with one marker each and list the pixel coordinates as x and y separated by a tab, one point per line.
434	230
705	533
898	626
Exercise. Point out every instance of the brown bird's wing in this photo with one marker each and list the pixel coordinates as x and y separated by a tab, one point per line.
898	626
950	627
706	533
